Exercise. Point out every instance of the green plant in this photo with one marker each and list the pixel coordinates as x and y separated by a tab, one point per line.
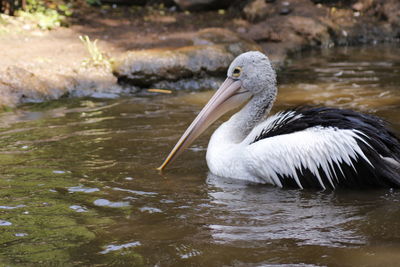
2	21
66	9
94	2
97	58
47	15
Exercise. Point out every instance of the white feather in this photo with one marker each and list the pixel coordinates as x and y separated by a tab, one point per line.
316	148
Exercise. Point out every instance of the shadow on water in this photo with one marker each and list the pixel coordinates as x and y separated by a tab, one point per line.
78	184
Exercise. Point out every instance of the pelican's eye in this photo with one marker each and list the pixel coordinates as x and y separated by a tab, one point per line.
237	71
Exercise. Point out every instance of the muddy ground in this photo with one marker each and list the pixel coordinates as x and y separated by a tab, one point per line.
39	65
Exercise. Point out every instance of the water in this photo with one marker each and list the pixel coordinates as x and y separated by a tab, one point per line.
79	185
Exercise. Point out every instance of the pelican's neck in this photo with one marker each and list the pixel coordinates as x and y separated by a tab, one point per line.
241	123
224	149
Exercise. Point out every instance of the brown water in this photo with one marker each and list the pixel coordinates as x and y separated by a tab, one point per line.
79	186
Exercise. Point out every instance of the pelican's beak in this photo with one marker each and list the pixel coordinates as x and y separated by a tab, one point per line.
228	96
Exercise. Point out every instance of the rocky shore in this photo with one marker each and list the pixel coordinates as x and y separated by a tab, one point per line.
170	48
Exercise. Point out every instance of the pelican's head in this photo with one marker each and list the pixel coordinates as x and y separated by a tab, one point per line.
253	69
250	74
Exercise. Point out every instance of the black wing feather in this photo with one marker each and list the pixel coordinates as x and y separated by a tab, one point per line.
379	142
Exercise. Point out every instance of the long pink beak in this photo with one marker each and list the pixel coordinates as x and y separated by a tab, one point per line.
221	102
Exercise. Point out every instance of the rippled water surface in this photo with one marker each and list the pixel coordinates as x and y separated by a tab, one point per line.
78	184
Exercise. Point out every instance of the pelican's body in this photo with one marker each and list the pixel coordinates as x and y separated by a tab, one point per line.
308	148
317	147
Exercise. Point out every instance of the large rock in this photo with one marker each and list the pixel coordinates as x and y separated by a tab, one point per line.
292	32
209	56
280	34
197	5
19	85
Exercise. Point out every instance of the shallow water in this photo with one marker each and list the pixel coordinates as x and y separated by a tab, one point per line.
79	186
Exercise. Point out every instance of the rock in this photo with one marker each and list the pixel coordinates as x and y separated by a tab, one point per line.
282	35
285	8
167	3
18	85
147	67
305	8
390	10
258	10
374	21
362	5
125	2
281	29
192	84
314	32
358	6
210	56
266	31
94	81
197	5
212	36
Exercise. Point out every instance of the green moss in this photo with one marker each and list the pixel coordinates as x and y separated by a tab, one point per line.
48	105
2	107
39	164
51	232
122	257
52	228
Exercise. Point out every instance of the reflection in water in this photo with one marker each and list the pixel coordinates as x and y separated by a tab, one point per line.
78	184
111	204
251	213
5	223
78	208
12	207
111	248
82	189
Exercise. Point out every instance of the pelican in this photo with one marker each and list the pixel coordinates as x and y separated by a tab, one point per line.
316	147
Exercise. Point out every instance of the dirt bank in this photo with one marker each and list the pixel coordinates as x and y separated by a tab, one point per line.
42	65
